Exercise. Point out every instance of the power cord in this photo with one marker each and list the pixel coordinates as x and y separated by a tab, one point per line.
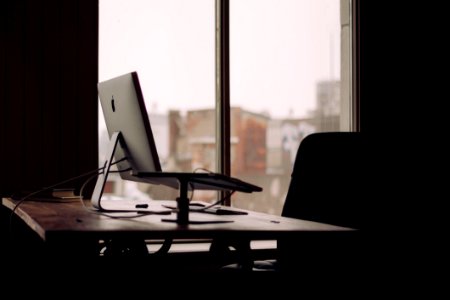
23	199
192	185
220	201
214	203
26	197
94	171
106	213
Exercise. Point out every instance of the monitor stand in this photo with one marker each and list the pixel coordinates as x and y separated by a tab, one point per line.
102	177
183	179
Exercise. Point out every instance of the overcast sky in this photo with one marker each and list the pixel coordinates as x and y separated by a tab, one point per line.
280	49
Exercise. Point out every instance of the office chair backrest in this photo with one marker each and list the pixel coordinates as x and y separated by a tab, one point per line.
329	182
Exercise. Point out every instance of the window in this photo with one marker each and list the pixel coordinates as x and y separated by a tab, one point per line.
289	76
171	46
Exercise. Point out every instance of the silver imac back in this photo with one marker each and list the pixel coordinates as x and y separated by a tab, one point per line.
124	111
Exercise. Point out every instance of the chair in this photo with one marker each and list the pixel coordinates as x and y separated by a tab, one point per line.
328	185
328	179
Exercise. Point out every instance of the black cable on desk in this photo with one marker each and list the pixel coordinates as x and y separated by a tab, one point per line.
105	213
26	197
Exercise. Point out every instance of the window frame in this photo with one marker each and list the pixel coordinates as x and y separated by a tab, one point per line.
223	126
349	9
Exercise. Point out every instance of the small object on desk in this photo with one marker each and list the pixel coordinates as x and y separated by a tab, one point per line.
63	193
217	210
224	211
197	204
141	205
200	205
47	194
199	221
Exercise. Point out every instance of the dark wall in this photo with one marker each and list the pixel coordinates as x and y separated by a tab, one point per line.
48	94
386	67
373	72
395	107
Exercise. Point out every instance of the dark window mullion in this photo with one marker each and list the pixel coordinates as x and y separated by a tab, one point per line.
356	65
223	159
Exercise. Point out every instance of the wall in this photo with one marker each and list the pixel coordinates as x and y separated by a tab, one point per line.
48	94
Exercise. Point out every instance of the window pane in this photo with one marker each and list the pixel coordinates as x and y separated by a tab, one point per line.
285	66
170	43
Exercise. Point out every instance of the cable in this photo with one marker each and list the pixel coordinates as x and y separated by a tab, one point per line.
82	188
23	199
192	191
215	203
55	185
105	212
192	185
26	197
95	171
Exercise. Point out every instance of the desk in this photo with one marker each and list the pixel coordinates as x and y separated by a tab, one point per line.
70	224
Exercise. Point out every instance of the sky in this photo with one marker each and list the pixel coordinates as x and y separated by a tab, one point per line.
279	50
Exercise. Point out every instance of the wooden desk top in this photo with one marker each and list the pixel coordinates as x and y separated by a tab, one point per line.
51	220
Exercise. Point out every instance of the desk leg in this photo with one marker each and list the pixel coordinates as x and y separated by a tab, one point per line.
125	247
220	249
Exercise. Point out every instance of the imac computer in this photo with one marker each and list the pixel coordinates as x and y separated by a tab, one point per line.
133	150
